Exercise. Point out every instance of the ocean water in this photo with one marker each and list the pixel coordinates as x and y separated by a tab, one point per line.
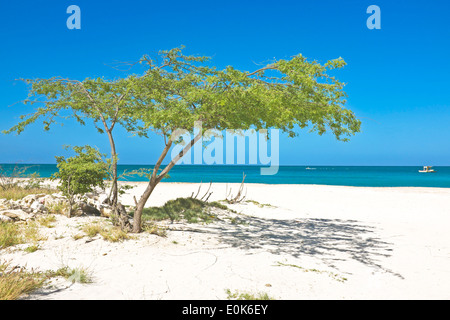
366	176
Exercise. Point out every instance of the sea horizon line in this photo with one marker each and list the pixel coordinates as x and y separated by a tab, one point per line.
248	165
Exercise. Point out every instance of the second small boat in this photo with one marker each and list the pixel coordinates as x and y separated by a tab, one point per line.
427	169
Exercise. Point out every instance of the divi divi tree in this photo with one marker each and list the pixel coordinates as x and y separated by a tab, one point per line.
177	91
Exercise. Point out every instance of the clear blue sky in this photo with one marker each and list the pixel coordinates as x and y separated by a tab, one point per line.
397	78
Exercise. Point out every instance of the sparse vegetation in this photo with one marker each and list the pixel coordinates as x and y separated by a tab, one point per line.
334	276
17	281
114	234
79	275
12	234
30	232
189	209
247	295
92	229
261	205
108	233
78	236
16	183
153	228
47	221
58	208
238	221
32	248
18	192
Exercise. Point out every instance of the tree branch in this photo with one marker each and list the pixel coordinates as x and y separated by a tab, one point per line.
269	67
178	157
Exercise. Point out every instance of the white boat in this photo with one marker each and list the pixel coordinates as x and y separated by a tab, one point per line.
308	168
427	169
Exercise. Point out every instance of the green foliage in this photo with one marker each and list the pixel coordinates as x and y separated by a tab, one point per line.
79	275
81	173
17	281
47	221
282	94
10	235
176	90
190	209
111	234
97	99
141	172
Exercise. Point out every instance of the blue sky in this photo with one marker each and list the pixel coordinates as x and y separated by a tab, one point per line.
397	77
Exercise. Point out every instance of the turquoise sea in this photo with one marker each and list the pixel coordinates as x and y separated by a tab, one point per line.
366	176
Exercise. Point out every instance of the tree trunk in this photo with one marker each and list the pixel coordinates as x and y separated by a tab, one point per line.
137	220
156	178
113	197
120	217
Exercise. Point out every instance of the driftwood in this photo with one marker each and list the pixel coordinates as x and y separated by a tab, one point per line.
207	193
240	196
120	217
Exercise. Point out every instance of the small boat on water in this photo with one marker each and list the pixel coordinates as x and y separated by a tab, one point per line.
427	169
308	168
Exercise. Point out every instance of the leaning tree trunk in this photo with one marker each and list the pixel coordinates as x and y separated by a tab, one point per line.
156	178
120	216
113	196
137	220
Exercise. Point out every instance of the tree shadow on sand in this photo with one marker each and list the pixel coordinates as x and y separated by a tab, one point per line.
330	240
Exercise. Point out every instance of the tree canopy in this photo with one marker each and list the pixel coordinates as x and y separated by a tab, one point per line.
282	94
176	90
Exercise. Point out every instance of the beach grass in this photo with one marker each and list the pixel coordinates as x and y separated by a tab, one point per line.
18	192
17	281
12	234
79	275
108	233
237	295
47	221
153	228
189	209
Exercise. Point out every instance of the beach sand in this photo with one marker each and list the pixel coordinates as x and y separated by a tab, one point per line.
299	242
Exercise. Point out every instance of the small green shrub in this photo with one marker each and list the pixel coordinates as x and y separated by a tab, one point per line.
190	209
80	174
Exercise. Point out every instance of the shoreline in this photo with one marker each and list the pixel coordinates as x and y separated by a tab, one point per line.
352	176
264	184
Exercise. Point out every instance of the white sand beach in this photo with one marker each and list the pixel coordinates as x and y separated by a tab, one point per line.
301	242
